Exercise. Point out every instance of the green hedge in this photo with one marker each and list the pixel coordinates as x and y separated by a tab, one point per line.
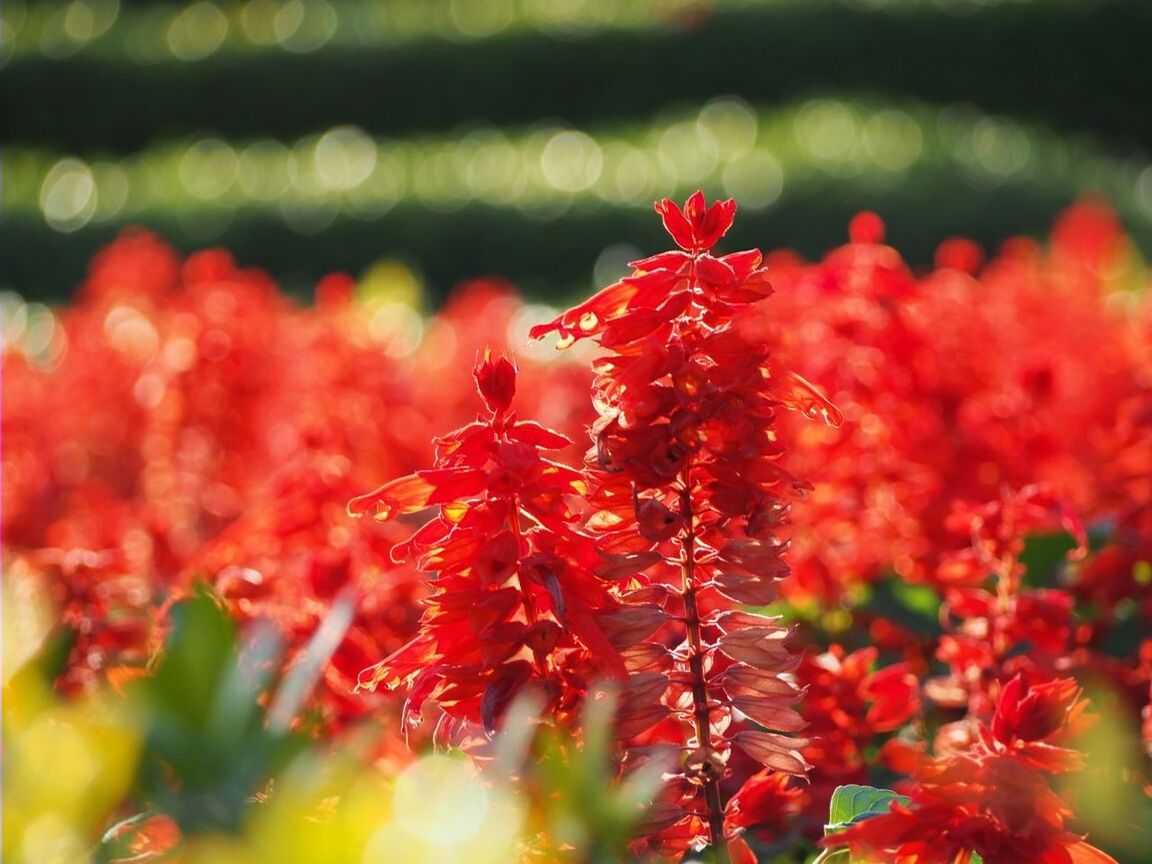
1074	66
551	259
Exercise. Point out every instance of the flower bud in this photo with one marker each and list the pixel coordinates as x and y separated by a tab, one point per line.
496	380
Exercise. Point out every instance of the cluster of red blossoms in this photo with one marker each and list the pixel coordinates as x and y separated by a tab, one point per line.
782	606
204	426
994	796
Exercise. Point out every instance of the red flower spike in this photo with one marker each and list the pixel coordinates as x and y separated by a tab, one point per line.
515	600
690	497
224	428
991	617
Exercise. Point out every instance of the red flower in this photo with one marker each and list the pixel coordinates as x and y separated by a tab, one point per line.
696	227
993	798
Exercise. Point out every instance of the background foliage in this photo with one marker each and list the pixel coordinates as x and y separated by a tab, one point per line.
526	137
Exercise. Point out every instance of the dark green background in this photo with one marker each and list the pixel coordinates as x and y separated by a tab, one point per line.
1080	69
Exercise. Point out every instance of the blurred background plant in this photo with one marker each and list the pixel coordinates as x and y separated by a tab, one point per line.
206	760
529	137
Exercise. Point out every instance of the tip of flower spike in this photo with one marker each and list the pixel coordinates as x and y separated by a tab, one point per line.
335	290
1036	712
959	253
866	227
696	227
496	381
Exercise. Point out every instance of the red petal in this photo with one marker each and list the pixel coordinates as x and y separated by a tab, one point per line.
739	619
695	208
715	223
801	395
757	646
640	705
1083	853
744	262
744	680
422	687
584	626
494	608
414	492
774	751
629	626
739	852
896	694
626	565
756	557
646	657
633	327
748	589
676	224
714	271
402	495
674	261
770	712
531	432
401	664
590	317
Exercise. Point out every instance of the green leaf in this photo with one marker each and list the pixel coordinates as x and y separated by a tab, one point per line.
852	803
1044	555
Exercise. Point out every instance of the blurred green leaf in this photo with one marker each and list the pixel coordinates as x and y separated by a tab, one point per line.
585	807
915	607
1044	555
208	747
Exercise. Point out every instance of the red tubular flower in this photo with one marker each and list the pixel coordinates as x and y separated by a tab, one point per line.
994	797
697	227
689	496
847	706
987	627
514	599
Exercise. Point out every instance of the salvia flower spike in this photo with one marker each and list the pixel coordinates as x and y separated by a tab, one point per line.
688	487
514	600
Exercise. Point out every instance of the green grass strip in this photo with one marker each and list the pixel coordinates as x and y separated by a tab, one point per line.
724	146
